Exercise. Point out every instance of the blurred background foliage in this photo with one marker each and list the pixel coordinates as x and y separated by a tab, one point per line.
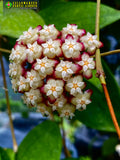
91	132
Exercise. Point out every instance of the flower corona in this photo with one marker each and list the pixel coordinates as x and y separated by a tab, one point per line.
49	66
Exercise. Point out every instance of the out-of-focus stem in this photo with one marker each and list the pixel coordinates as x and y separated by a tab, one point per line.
66	151
15	147
101	75
5	50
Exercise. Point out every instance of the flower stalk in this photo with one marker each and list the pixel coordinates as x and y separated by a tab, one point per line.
101	74
66	151
15	147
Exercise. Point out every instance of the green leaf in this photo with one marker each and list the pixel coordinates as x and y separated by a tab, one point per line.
47	3
81	158
42	143
81	13
109	146
97	113
7	154
18	20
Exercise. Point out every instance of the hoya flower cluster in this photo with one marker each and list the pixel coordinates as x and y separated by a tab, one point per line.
47	67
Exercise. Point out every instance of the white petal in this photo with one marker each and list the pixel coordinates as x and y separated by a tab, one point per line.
90	66
55	94
59	69
69	71
64	74
72	91
70	85
80	84
88	101
85	68
79	90
49	92
71	50
58	88
37	67
42	69
81	63
78	106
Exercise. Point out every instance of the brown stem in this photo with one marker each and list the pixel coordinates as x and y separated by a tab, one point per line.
5	50
101	74
8	106
66	151
108	53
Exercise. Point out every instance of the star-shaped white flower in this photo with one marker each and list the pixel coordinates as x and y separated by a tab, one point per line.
59	103
44	66
90	42
51	48
73	30
18	54
29	36
48	32
54	88
64	69
71	48
34	51
75	85
15	70
32	97
23	84
86	62
67	111
44	110
81	100
34	79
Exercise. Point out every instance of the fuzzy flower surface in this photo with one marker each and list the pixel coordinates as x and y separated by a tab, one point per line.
48	67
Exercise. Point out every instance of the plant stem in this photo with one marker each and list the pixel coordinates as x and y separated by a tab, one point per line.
101	75
66	151
5	50
108	53
8	105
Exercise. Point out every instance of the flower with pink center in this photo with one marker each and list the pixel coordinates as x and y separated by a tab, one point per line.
72	29
54	88
44	110
29	36
44	66
34	51
87	64
32	98
34	79
91	43
65	69
67	111
71	48
75	85
48	32
81	100
18	54
51	48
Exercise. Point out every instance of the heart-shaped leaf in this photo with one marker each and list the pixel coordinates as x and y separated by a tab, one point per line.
81	13
7	154
18	20
42	143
